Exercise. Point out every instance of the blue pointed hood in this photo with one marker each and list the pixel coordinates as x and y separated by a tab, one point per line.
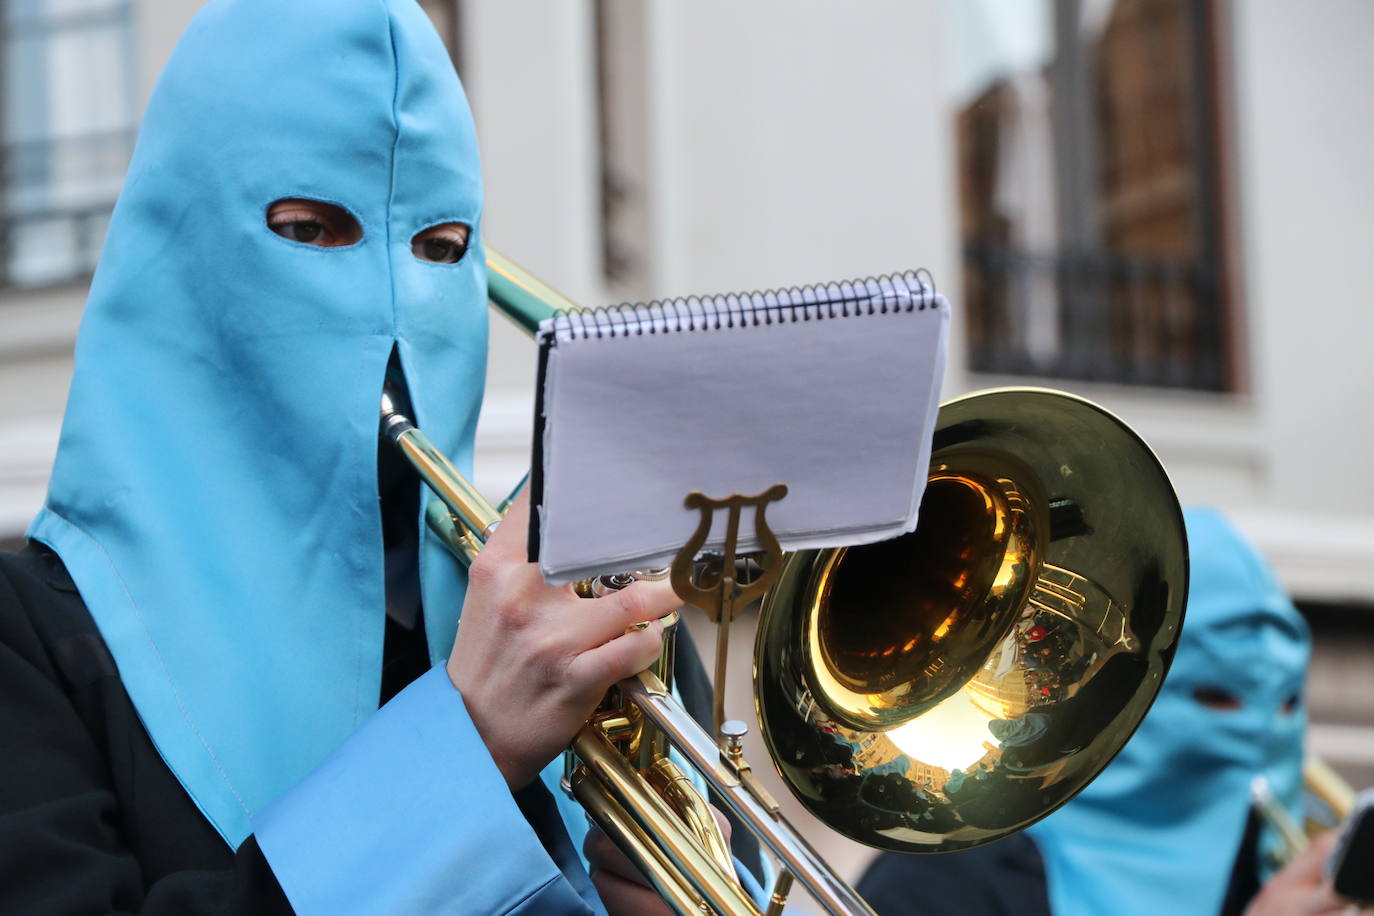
215	489
1159	830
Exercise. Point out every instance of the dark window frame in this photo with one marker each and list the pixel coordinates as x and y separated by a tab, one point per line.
1141	318
26	161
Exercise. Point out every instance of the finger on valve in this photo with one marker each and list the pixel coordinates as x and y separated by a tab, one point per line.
629	609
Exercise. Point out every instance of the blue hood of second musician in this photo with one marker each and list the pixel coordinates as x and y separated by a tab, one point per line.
1160	829
215	490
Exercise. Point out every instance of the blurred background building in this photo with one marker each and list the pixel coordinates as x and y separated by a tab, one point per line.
1163	205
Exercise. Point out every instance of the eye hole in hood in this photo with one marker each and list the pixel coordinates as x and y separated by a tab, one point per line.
1217	698
313	222
445	243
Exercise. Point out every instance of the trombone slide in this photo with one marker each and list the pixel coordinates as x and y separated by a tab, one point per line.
755	809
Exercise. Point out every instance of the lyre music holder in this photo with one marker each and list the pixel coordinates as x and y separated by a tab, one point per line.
715	587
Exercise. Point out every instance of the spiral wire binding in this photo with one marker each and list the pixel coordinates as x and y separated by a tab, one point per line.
909	291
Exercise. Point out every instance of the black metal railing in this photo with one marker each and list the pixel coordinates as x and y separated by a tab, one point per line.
20	20
1094	316
56	195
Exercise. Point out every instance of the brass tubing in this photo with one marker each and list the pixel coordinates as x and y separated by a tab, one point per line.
520	295
798	857
637	845
723	626
653	745
778	900
459	542
1327	785
448	483
682	796
608	767
1278	818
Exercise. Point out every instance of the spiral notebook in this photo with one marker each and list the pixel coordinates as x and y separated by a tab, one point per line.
831	389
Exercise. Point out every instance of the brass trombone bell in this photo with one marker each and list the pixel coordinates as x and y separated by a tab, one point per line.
952	686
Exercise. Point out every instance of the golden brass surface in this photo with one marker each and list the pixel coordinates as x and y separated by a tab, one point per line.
712	588
1328	786
1292	840
448	483
1320	782
727	779
682	796
949	687
716	885
777	900
949	594
641	848
520	295
457	539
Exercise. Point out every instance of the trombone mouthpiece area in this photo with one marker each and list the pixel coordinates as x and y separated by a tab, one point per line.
394	423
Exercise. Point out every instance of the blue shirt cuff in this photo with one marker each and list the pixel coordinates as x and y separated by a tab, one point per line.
411	815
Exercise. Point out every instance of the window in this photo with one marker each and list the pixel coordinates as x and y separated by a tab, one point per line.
66	133
1088	189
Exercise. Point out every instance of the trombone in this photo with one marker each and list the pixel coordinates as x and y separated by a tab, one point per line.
929	693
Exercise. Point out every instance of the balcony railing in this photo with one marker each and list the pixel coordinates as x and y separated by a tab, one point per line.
1094	316
56	202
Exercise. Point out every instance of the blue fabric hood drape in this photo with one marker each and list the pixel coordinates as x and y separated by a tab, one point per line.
1159	830
215	489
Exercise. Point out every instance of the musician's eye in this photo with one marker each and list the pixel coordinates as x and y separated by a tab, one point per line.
442	244
1216	698
313	222
1290	704
306	230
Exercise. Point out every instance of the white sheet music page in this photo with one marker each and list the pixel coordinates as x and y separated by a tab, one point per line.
831	390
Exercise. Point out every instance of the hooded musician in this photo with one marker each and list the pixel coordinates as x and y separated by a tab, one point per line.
226	581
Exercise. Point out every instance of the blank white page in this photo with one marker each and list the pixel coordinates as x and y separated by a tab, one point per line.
831	390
